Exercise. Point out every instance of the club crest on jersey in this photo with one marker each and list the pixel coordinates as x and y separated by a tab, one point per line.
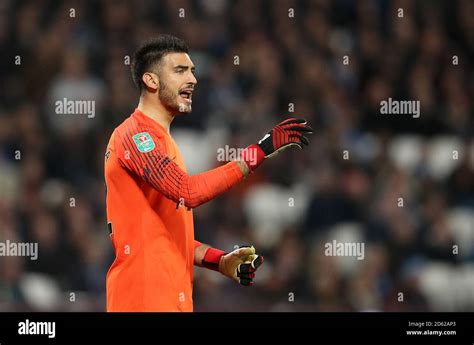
144	142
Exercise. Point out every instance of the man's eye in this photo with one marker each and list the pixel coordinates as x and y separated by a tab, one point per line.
180	71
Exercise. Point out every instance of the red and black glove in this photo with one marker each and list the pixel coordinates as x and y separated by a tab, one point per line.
290	132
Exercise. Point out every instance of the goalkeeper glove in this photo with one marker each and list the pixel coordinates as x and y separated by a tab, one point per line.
288	133
239	265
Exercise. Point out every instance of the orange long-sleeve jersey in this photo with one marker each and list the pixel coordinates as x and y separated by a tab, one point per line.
149	212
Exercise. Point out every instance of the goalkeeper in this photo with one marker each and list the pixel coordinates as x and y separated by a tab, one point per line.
150	196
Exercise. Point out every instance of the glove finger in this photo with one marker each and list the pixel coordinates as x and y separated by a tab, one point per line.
304	140
246	282
298	140
307	129
245	268
301	138
249	267
246	275
292	120
257	262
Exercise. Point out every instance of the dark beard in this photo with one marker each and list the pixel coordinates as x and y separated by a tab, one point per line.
168	99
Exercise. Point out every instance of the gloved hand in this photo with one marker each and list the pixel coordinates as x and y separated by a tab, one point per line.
241	264
288	133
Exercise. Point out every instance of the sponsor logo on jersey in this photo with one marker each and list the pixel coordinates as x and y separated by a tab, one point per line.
144	142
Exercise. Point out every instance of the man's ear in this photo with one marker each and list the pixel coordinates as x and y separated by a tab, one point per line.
151	81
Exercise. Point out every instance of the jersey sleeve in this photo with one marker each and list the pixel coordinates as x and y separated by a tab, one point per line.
141	151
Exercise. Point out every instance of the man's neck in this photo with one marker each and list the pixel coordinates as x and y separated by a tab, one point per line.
157	112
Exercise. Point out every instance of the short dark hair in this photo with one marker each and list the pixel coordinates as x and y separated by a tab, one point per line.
150	53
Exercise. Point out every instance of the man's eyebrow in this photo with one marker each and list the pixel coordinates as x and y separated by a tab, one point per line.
185	67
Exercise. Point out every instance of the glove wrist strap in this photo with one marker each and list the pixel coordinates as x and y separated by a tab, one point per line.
212	258
266	145
253	156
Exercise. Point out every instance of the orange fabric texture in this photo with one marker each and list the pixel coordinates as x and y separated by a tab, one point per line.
149	211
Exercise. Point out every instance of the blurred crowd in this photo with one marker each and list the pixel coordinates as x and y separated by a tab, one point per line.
403	186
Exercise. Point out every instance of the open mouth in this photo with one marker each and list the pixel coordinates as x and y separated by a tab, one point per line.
187	94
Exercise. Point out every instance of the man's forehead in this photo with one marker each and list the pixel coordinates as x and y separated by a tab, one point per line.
177	59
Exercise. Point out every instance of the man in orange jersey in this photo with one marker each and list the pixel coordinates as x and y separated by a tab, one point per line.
150	196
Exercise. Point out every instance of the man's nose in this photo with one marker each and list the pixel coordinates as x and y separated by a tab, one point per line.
192	79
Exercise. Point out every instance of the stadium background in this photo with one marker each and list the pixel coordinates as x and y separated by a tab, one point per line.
293	204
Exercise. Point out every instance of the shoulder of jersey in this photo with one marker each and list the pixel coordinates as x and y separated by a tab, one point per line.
142	135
